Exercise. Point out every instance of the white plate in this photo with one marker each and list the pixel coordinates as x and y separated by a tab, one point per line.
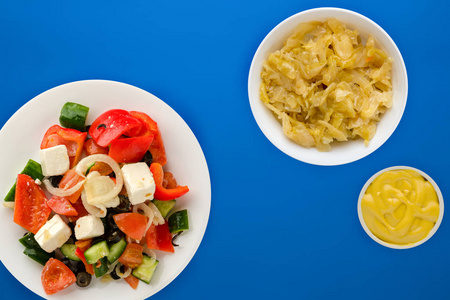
20	138
341	152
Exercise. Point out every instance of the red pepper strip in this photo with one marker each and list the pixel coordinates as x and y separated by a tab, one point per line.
130	150
71	138
61	206
91	147
162	193
159	238
151	128
132	281
112	124
89	268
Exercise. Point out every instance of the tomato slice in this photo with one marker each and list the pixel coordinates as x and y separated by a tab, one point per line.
91	147
150	127
81	210
31	210
130	150
132	281
132	256
71	138
159	238
132	224
62	206
70	179
56	276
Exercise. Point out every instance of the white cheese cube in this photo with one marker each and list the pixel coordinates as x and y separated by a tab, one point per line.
88	227
53	234
54	160
139	182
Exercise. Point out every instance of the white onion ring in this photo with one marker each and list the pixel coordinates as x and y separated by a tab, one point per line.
93	210
62	192
149	252
87	161
125	274
112	266
157	217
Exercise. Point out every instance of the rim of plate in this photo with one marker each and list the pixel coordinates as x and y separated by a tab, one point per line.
273	130
432	231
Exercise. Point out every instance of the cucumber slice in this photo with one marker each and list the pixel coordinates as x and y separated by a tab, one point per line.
116	250
95	252
68	250
32	169
146	269
73	115
38	255
178	221
164	207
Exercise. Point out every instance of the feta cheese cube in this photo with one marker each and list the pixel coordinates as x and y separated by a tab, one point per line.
54	160
88	227
139	182
53	234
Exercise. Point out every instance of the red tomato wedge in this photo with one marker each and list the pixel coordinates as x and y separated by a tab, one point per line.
70	179
150	127
132	281
56	276
62	206
112	124
162	193
132	224
31	210
81	211
71	138
159	238
130	150
132	256
80	255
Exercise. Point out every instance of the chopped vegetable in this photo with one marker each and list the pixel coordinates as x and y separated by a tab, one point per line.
178	221
159	238
164	207
56	276
132	224
162	193
91	147
146	269
132	256
32	169
62	206
74	116
130	150
132	281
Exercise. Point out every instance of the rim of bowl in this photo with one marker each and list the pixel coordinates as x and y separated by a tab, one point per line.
255	101
432	231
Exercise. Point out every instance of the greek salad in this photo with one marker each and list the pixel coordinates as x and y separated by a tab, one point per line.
111	201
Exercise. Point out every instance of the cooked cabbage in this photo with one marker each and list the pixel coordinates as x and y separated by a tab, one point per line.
325	85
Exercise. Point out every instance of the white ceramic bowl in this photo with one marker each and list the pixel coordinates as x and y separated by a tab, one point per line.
344	152
433	230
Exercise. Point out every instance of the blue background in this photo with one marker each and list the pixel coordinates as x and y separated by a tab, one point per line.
278	227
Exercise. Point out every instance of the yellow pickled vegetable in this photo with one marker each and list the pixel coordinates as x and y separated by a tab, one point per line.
325	85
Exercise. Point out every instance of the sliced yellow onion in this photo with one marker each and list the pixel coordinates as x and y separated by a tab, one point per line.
62	192
157	217
149	252
124	274
99	212
87	161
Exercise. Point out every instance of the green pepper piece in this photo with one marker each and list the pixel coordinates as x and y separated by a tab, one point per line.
29	242
73	115
38	255
178	221
101	267
32	169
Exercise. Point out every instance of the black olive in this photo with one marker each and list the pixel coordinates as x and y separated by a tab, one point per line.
97	240
114	275
55	180
83	279
124	205
175	237
74	266
114	237
110	223
148	158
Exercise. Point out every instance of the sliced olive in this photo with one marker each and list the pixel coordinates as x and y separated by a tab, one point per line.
114	237
55	180
83	279
124	205
148	158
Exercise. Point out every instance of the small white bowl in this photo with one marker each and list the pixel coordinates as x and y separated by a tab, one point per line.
433	230
342	152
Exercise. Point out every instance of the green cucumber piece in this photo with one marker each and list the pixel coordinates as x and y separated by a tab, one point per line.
68	250
164	207
146	269
38	255
178	221
101	267
32	169
116	250
73	115
95	252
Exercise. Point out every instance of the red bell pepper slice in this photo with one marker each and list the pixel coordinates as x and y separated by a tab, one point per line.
71	138
80	255
130	150
159	238
91	147
132	281
112	124
81	211
162	193
62	206
31	210
150	127
56	276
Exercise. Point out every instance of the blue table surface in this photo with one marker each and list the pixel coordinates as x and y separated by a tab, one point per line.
278	227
